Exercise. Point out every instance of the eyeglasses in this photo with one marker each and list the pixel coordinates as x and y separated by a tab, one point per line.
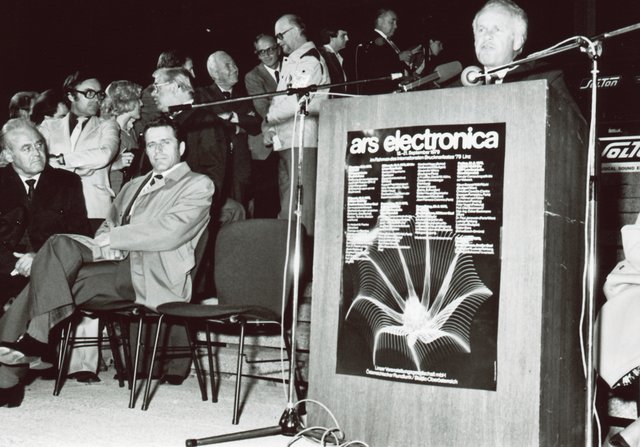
157	85
280	36
267	51
90	94
161	144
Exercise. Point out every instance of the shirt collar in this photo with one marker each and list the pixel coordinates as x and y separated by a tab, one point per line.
24	180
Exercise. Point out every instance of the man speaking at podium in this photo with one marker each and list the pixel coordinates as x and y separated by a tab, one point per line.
499	33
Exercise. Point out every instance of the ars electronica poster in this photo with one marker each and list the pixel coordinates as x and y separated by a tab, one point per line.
421	254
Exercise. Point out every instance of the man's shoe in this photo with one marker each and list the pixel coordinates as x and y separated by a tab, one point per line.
12	397
27	350
85	377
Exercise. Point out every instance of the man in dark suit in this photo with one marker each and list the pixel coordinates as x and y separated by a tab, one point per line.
500	32
379	55
334	41
240	119
263	78
147	243
37	202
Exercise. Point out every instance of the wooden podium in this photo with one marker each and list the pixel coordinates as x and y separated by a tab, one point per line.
540	386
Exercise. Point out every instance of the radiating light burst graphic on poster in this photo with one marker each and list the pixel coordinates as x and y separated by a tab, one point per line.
417	300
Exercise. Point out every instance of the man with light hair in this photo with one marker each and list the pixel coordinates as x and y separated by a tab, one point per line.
302	66
500	32
240	119
203	130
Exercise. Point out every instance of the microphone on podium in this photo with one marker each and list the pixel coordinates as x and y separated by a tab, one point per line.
442	73
472	76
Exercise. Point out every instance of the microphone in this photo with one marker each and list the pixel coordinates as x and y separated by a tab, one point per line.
471	76
442	73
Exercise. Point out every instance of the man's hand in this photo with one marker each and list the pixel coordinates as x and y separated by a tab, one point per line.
23	265
405	56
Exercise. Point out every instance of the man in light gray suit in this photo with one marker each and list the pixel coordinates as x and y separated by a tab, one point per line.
263	78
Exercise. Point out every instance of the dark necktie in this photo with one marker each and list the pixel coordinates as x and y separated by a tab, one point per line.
31	184
277	73
155	178
227	95
126	216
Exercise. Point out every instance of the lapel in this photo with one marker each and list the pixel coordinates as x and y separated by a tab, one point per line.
15	186
88	131
266	76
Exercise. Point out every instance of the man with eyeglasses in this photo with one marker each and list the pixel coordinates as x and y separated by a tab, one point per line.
302	66
263	78
150	235
83	143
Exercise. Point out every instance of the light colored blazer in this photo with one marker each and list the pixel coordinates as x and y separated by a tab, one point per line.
96	148
166	224
259	81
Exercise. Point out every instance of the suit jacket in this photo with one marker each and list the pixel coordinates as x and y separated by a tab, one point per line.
95	150
377	59
259	81
238	162
57	207
166	223
336	73
206	145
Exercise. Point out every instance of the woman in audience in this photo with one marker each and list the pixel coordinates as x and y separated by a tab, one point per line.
123	103
48	105
618	327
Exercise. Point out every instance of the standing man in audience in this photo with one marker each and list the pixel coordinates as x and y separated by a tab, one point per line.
302	66
83	143
263	78
150	234
334	40
239	118
380	56
37	201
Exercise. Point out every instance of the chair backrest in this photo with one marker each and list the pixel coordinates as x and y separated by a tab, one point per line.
250	258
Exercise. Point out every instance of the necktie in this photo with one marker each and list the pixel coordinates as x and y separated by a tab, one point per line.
155	178
126	216
277	73
31	184
226	95
77	130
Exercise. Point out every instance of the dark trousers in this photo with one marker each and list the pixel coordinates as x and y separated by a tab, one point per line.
63	276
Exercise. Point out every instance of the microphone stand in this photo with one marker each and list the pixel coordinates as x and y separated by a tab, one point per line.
289	423
593	48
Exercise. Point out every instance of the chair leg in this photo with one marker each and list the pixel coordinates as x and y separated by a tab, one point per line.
62	357
214	394
145	399
115	352
191	338
134	380
238	374
125	337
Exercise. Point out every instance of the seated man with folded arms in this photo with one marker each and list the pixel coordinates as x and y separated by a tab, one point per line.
143	252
